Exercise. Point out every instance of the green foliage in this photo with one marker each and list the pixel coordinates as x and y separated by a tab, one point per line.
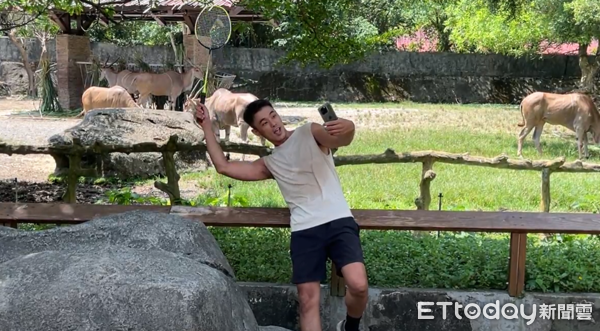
431	16
135	33
40	26
568	264
318	32
125	196
399	259
49	102
519	30
476	27
569	20
585	12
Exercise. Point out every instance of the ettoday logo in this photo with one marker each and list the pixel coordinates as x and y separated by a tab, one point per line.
509	311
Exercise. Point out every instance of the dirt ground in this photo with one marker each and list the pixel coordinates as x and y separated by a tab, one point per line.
21	123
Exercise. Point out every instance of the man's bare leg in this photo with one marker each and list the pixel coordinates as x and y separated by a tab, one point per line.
309	295
357	294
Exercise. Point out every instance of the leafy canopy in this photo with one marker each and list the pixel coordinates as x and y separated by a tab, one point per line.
324	32
518	28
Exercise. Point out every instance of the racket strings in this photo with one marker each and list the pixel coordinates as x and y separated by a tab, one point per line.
215	26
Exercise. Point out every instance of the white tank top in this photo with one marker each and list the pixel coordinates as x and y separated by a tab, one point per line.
308	181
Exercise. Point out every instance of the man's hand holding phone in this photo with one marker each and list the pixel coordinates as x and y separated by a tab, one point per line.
340	126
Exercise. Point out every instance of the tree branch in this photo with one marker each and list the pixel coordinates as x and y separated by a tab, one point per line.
102	11
6	24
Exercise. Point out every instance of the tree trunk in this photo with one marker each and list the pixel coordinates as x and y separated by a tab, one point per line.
178	69
25	59
443	35
589	69
444	44
43	41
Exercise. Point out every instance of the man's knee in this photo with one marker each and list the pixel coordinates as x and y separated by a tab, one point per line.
355	277
309	295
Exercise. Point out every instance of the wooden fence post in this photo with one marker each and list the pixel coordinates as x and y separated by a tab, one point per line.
545	203
337	286
545	200
424	199
70	195
427	175
516	265
171	187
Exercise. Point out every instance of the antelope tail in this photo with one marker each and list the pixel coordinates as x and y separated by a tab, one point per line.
522	123
80	114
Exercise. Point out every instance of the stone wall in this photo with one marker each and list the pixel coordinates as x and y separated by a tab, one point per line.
396	310
421	77
150	54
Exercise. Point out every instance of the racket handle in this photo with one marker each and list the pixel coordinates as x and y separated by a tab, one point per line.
202	97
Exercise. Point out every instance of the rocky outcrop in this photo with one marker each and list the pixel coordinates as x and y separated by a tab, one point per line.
132	126
13	78
133	271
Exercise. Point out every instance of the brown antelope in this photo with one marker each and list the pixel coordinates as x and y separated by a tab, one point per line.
226	109
122	78
96	97
170	83
575	111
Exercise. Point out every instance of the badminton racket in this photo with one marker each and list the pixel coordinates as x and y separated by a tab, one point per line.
213	30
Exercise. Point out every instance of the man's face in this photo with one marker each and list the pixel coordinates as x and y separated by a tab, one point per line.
268	124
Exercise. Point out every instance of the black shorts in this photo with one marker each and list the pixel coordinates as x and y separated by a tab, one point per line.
309	249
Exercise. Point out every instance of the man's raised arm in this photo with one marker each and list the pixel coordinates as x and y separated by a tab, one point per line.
334	134
241	170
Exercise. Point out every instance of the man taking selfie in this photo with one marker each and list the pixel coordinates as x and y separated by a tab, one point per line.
321	221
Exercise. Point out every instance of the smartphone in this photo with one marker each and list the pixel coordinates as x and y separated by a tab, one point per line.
327	113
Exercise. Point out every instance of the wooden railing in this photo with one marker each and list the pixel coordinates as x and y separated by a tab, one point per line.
518	224
75	152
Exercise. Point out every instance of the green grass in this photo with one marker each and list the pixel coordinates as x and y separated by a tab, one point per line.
395	186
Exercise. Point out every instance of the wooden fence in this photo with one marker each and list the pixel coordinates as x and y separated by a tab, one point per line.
518	224
75	152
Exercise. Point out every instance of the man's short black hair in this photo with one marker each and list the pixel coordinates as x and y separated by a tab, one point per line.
254	107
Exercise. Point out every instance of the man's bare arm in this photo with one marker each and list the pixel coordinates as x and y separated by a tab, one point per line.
240	170
245	170
324	138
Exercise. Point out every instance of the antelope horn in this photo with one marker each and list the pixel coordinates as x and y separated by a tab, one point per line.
105	62
115	61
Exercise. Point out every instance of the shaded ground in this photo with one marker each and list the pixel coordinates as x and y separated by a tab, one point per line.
27	192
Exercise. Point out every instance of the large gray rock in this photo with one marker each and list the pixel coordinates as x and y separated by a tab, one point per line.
14	76
132	126
132	271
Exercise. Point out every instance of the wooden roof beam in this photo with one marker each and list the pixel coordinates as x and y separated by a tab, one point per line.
189	21
62	20
159	20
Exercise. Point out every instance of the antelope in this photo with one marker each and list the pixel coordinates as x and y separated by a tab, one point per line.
106	97
226	109
122	78
575	111
170	83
